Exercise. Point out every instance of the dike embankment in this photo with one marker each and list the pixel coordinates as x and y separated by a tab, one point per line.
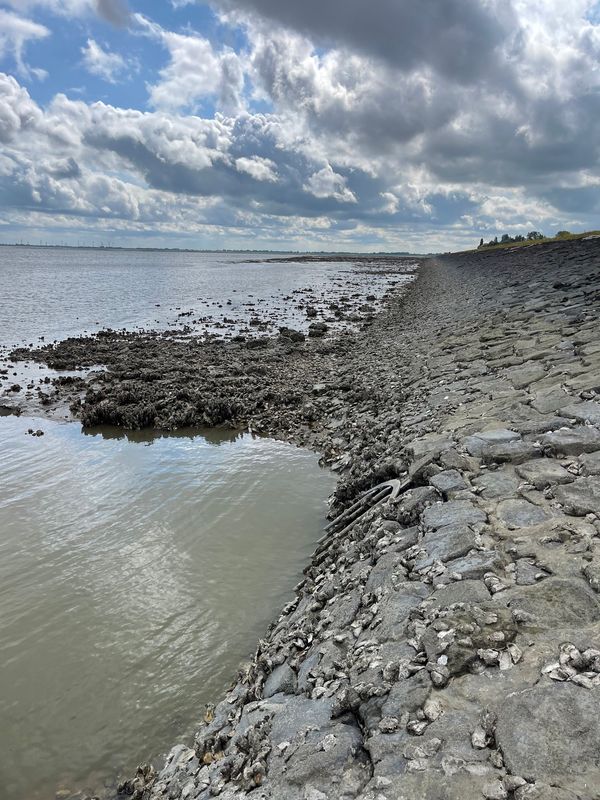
447	645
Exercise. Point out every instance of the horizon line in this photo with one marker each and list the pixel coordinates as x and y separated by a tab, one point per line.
212	250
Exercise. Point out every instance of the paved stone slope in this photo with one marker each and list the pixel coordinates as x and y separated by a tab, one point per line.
448	645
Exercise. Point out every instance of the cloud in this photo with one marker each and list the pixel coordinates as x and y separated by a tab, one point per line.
261	169
15	33
18	112
457	38
103	63
361	108
387	123
114	11
195	72
67	7
327	183
544	120
243	177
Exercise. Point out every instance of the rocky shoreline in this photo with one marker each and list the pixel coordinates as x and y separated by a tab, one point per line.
447	644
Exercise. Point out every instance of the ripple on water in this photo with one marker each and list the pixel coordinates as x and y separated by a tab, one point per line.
136	572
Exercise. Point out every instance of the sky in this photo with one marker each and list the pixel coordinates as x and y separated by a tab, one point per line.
322	124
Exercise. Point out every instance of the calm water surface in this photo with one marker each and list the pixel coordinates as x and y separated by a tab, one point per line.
135	574
59	292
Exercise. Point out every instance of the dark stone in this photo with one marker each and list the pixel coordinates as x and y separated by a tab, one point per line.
455	512
317	329
581	497
291	334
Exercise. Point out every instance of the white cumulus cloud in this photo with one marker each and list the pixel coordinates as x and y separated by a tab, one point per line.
327	183
103	63
262	169
195	72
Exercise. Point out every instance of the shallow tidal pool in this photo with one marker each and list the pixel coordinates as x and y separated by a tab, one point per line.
136	573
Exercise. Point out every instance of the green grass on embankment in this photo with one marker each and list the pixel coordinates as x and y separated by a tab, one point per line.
564	237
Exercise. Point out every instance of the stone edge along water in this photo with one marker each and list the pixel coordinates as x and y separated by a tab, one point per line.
447	646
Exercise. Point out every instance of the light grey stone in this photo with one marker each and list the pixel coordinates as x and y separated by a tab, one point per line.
497	483
542	791
494	790
523	376
551	733
467	591
591	572
431	443
555	602
407	696
449	480
475	564
412	503
479	442
588	411
309	663
282	679
572	441
539	424
387	573
511	452
552	399
500	445
527	573
445	544
590	463
395	607
519	513
543	472
292	715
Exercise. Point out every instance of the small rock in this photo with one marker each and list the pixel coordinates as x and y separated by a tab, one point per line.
433	709
495	791
416	727
479	738
388	724
513	782
317	329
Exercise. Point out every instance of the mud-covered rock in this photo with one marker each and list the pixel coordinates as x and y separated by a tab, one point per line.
551	734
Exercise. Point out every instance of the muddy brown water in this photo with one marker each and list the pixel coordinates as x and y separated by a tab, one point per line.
136	573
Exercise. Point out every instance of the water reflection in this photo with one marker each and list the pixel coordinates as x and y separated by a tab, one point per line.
133	580
215	436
